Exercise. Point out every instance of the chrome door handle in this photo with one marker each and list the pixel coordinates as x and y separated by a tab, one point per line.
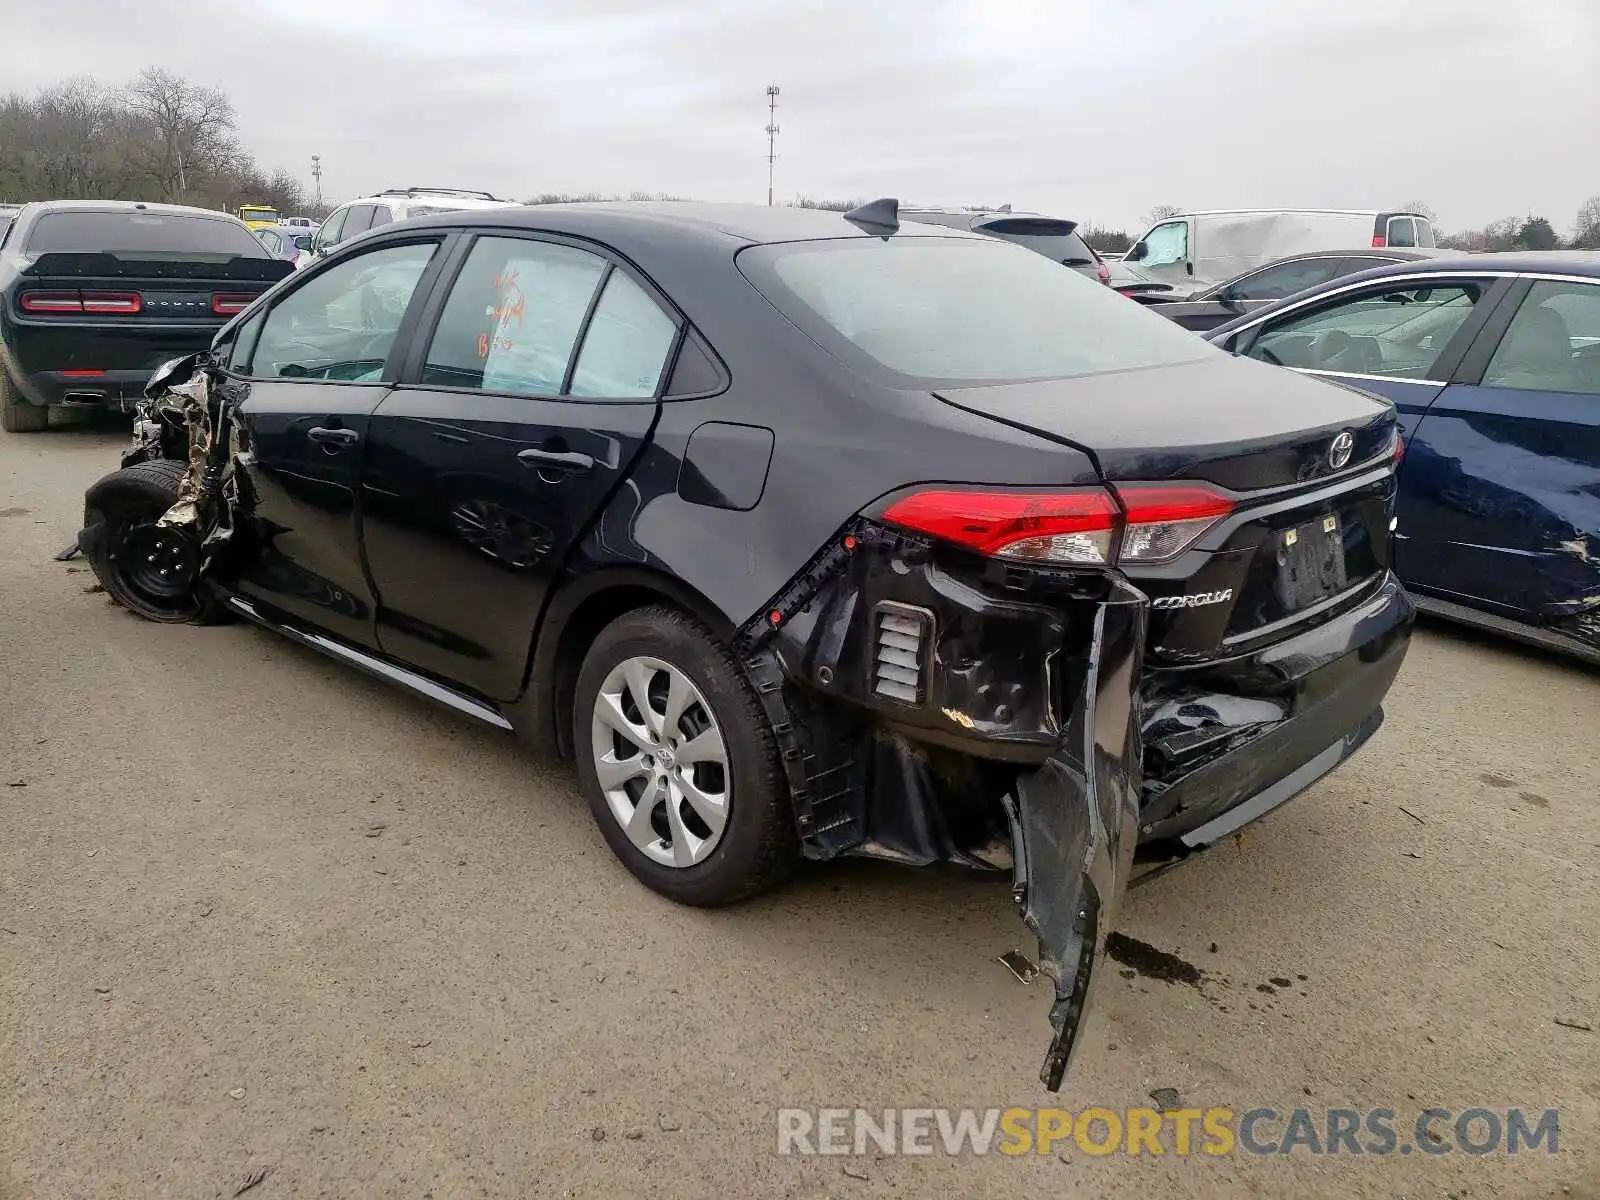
545	460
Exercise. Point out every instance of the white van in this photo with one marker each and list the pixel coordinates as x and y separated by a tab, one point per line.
1197	249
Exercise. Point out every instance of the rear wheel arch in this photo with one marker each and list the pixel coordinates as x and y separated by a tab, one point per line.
574	618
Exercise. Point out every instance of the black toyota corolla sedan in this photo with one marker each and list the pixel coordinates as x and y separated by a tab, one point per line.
804	534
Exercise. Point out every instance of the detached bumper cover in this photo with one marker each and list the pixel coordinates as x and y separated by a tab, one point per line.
1075	821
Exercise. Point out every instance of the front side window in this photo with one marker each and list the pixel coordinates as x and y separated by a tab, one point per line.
924	311
342	323
513	317
1398	332
1282	279
1166	245
329	234
626	344
1553	343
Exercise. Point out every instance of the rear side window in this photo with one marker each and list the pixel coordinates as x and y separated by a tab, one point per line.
140	233
359	220
1402	232
513	316
1553	343
1056	240
626	345
381	216
922	312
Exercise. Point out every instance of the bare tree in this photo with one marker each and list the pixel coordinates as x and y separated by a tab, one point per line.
193	127
162	138
1586	236
1161	212
1422	209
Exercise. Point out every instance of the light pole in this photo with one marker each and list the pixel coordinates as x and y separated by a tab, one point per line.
772	136
316	174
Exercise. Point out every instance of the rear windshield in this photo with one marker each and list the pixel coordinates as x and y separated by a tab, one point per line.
140	233
959	311
1054	239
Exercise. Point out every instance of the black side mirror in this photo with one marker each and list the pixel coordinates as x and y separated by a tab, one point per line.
1230	300
1138	252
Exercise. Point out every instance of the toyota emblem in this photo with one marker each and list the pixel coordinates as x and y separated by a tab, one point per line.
1342	448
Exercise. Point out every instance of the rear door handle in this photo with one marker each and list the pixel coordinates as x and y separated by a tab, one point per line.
543	460
333	437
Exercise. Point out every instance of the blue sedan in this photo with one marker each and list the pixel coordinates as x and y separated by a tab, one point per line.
1493	363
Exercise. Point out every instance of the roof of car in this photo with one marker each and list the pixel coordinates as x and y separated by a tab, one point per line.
748	223
1251	212
970	212
1567	262
128	206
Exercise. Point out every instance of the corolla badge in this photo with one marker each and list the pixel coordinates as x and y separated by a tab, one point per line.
1193	600
1342	448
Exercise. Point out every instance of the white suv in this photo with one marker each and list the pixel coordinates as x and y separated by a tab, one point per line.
396	204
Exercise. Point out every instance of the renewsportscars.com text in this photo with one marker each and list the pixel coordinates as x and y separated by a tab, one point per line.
1182	1131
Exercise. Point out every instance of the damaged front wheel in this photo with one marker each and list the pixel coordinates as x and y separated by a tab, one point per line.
150	570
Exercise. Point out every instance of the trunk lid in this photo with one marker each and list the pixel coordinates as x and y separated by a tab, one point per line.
132	311
197	287
1309	534
1237	423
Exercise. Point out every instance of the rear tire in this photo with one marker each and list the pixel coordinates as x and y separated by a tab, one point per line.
730	831
129	564
16	414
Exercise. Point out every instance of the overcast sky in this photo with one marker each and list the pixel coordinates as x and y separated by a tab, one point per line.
1091	109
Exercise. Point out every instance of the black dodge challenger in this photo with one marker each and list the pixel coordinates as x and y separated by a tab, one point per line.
95	294
803	534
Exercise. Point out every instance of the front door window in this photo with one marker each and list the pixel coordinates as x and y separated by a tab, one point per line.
1398	332
1166	245
343	322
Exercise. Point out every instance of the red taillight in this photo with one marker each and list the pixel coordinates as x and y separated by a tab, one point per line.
1398	451
84	374
1068	527
1049	526
1103	271
1164	520
1379	240
124	303
99	303
48	303
227	304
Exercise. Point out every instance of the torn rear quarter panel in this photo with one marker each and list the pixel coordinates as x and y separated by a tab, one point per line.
912	691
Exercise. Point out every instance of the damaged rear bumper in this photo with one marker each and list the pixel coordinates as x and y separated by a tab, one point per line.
1075	822
929	708
1273	722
